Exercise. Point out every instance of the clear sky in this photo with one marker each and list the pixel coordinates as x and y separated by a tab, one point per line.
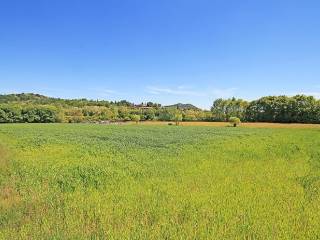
167	51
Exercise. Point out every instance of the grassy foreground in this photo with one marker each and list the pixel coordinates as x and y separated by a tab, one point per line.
158	182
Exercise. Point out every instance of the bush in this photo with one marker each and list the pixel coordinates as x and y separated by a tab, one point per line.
135	118
234	121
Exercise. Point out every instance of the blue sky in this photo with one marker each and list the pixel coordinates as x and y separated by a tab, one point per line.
167	51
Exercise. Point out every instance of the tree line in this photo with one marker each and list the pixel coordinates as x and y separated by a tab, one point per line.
276	109
35	108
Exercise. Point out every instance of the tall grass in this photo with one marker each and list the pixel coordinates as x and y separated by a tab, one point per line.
158	182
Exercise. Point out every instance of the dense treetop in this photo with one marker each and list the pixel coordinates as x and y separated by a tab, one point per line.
281	109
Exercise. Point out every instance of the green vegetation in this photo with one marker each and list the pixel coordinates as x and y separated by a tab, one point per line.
279	109
234	121
178	118
34	108
135	118
72	181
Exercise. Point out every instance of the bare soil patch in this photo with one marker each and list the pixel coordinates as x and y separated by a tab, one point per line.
225	124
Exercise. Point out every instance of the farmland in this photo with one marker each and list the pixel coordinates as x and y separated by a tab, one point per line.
80	181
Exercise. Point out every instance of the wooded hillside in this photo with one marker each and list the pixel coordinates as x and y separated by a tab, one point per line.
35	108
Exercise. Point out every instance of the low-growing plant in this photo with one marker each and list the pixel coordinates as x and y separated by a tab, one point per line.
92	181
135	118
234	121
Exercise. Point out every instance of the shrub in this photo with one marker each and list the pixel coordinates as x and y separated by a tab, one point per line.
235	121
135	118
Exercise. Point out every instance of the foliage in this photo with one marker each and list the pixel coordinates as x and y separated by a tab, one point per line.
135	118
224	109
281	109
177	118
299	109
34	108
234	121
83	110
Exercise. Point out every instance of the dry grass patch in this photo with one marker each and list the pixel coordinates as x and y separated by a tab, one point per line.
249	125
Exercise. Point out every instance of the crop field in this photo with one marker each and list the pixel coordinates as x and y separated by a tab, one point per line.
81	181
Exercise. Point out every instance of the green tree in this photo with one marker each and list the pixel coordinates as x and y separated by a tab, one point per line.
74	115
123	112
3	116
222	109
178	118
167	114
149	114
190	115
13	113
107	114
283	109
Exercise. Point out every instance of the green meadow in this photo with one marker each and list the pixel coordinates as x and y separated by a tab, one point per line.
81	181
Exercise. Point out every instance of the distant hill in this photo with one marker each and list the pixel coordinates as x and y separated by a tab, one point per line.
32	98
21	97
183	106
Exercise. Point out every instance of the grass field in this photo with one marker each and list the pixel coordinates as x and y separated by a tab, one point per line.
65	181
